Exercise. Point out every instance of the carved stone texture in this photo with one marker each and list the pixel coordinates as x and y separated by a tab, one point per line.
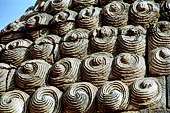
14	102
46	100
159	62
80	98
16	52
6	78
165	10
144	13
113	96
159	35
57	6
103	39
96	69
102	3
46	48
148	93
132	1
75	44
36	25
115	14
128	67
78	5
12	31
42	6
168	92
32	75
132	39
89	18
64	73
63	22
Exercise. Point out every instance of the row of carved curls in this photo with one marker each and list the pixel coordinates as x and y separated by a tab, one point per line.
82	97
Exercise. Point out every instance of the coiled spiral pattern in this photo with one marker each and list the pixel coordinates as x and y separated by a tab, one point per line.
16	52
112	96
159	64
89	18
75	44
115	14
144	13
103	39
80	98
46	100
132	39
96	69
145	92
46	48
14	102
64	73
159	35
63	22
32	75
128	67
165	10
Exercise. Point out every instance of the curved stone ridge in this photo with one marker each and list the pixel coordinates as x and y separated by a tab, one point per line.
144	13
165	10
96	69
64	73
115	14
46	48
112	96
159	62
16	52
59	5
46	100
78	5
128	67
75	44
63	22
132	39
6	78
32	74
103	39
80	98
145	92
89	18
14	102
159	35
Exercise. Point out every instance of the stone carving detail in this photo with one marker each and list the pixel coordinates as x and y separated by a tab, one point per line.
144	13
132	39
80	98
89	18
165	10
159	62
6	78
105	2
128	67
115	14
103	39
64	73
159	35
78	5
16	52
14	102
112	96
46	48
46	100
32	75
36	24
145	92
96	69
75	44
59	5
63	22
42	6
